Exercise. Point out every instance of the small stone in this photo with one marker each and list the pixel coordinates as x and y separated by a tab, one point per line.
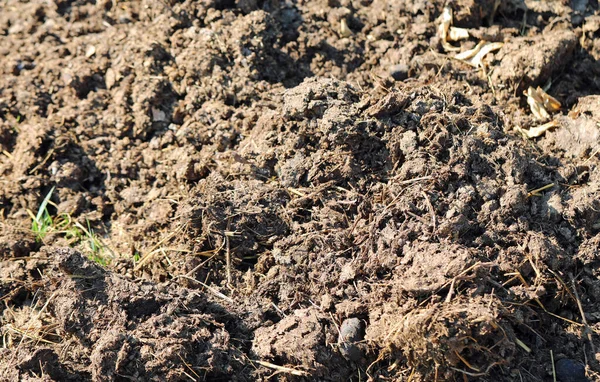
110	78
399	72
568	370
90	51
158	115
579	5
351	331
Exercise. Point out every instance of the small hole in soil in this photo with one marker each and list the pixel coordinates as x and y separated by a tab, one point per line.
247	264
272	315
20	297
63	7
224	4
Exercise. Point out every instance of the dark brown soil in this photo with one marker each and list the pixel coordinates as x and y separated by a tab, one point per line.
269	202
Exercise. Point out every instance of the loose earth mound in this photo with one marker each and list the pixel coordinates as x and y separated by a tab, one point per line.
299	190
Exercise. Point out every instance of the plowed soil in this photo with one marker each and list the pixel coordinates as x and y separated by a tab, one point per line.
297	190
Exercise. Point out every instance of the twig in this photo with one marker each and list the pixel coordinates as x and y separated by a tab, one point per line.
148	255
537	191
430	207
451	291
466	362
28	333
42	162
517	276
283	369
278	309
210	289
564	285
586	328
37	318
475	374
190	368
413	180
228	255
553	367
462	275
521	344
201	265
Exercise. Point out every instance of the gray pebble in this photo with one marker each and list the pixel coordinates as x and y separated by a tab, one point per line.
351	331
399	72
579	5
568	370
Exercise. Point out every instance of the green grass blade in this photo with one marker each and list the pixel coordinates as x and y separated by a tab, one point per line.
43	206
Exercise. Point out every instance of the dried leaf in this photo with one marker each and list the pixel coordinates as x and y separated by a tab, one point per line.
477	54
443	29
538	131
457	34
540	102
486	49
471	52
536	104
550	103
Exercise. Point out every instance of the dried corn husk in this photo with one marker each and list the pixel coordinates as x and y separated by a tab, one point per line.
444	28
457	34
538	131
475	56
541	102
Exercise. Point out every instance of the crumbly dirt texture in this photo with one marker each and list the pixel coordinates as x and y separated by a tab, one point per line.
297	190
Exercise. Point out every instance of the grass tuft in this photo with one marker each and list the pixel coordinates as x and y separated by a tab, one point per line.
42	222
76	233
